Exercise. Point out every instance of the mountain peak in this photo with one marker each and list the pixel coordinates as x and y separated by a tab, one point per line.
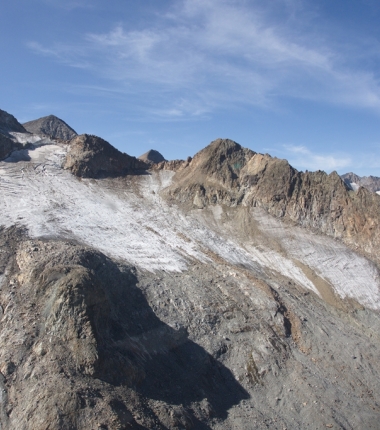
152	156
220	161
51	126
222	146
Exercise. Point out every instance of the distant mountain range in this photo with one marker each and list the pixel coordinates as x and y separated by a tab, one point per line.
371	183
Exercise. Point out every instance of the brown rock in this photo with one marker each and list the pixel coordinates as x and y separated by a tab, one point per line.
152	156
92	157
225	173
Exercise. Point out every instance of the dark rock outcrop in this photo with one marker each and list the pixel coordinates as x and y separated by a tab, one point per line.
92	157
82	348
7	146
9	123
152	156
50	126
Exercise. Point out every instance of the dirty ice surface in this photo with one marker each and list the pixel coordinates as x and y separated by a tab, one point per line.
132	223
25	138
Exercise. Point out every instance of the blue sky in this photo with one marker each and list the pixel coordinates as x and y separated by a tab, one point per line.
298	79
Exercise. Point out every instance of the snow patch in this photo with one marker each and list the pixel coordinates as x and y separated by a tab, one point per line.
350	275
49	201
354	186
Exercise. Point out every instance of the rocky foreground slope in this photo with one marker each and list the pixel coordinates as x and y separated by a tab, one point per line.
221	292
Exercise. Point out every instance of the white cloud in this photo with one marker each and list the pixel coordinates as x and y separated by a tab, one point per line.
304	159
233	52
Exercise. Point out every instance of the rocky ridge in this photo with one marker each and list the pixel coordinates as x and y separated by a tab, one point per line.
51	126
225	173
201	294
8	123
371	183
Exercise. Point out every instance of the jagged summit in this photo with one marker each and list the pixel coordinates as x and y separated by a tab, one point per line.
223	148
93	157
152	156
51	126
226	173
8	123
220	161
371	183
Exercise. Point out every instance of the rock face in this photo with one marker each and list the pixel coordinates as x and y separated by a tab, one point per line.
92	157
50	126
87	342
371	183
225	173
79	318
152	156
6	146
9	123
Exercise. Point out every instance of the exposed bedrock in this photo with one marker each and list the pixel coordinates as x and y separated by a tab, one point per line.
90	343
225	173
92	157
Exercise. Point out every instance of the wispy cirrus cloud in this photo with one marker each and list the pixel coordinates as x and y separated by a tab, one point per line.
305	159
204	55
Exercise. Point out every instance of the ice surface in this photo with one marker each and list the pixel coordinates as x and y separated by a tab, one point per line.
350	274
25	138
130	221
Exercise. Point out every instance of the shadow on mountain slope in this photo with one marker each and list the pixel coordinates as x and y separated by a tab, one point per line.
17	156
137	349
93	329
